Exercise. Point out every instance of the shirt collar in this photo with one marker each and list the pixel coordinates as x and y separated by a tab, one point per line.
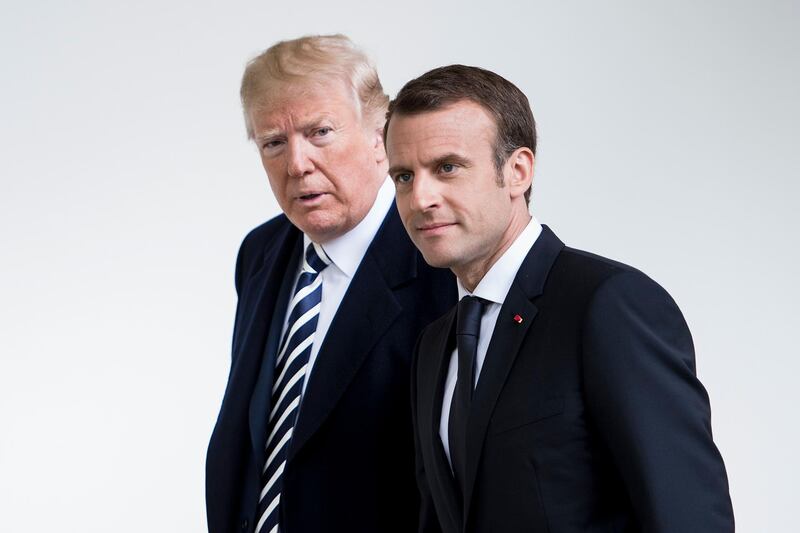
346	251
497	281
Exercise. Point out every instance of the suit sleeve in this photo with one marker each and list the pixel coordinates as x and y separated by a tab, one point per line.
428	521
653	413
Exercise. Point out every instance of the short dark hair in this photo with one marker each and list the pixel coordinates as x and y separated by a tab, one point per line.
444	86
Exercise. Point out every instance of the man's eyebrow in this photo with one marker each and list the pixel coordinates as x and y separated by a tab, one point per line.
451	157
267	135
315	121
303	126
397	168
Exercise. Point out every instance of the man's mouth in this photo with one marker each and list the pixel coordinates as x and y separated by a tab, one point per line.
310	196
433	227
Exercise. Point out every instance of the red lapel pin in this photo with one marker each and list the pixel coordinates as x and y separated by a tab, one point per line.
518	319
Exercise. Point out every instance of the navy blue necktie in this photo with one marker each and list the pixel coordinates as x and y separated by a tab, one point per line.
468	326
290	371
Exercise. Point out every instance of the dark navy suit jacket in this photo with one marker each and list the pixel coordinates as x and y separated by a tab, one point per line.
587	415
350	465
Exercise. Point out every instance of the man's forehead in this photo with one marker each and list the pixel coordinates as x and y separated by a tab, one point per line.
304	98
448	127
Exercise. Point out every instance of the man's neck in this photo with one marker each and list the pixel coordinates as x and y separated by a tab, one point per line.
470	275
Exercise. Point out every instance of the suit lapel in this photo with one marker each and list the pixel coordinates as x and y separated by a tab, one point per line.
270	287
367	310
505	345
503	349
440	476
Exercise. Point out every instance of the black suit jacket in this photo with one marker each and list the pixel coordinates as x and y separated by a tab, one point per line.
587	415
350	461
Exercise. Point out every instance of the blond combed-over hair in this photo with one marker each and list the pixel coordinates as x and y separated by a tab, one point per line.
310	59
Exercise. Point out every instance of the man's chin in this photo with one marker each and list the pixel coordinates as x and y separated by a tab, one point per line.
320	227
436	259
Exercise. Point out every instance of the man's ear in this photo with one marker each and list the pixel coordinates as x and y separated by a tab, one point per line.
378	146
519	171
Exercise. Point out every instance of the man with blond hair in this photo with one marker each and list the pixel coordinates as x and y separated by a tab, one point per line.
314	433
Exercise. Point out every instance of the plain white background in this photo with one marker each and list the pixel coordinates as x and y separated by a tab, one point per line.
668	140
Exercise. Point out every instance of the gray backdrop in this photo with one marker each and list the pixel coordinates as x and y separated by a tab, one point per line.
668	141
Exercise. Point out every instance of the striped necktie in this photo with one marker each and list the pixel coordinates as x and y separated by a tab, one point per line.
290	371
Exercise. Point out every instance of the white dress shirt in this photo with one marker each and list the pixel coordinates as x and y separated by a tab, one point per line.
493	287
345	253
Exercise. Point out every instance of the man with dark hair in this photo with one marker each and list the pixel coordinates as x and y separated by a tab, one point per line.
560	394
507	105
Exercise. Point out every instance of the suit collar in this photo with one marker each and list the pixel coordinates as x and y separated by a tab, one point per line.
532	275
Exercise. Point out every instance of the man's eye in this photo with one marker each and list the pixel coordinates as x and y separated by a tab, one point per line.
402	178
447	168
321	132
270	144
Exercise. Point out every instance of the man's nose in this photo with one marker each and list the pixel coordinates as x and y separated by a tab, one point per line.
424	193
299	161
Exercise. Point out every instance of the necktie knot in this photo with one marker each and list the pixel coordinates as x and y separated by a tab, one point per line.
315	259
470	310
